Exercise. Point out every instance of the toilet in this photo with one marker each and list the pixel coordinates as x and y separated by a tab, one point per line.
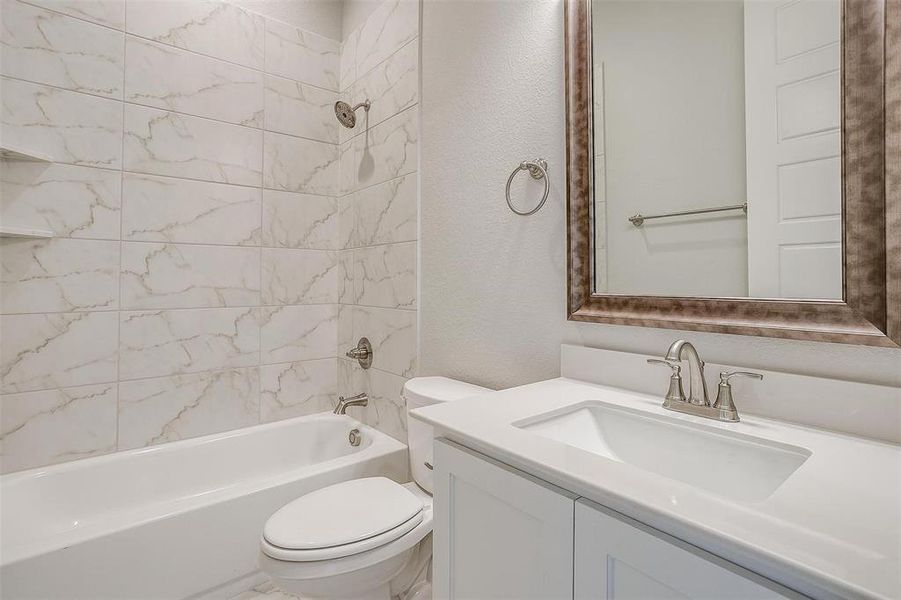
367	538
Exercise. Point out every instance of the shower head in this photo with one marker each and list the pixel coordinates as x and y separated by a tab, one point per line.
347	114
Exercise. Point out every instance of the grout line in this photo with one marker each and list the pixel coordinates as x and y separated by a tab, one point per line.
121	243
262	182
213	371
126	32
126	102
372	185
133	310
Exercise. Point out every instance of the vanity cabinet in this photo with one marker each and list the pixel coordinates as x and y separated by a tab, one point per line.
498	533
618	558
501	533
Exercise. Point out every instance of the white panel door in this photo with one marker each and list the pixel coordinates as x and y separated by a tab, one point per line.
498	533
619	559
793	118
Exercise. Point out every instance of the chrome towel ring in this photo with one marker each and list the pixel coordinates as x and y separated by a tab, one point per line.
538	170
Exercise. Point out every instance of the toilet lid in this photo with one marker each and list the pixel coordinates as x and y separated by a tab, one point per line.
344	513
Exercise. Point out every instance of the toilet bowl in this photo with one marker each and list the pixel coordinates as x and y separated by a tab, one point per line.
367	538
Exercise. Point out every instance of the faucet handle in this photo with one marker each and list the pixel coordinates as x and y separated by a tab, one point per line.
676	367
725	376
675	392
724	401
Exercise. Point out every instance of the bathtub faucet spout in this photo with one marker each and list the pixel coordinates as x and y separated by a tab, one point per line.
344	403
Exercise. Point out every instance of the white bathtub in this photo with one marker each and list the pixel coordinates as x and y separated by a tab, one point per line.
173	521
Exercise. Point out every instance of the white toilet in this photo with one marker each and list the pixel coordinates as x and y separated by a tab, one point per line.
365	538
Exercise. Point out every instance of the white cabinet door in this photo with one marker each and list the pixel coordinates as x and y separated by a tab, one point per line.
619	559
498	533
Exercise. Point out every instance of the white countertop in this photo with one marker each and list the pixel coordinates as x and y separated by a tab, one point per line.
832	530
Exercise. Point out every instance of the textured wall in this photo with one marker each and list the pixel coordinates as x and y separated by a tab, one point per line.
194	280
493	285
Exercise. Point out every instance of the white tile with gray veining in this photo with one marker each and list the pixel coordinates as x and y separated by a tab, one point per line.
171	342
104	12
299	109
295	333
164	209
173	79
386	410
54	426
347	68
392	25
58	275
298	165
388	150
298	276
393	335
67	126
347	233
385	275
167	409
347	168
168	143
386	212
43	351
391	86
297	388
70	201
346	339
209	27
50	48
189	276
301	55
292	220
346	293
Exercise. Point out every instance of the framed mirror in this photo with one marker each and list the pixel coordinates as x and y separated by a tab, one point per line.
735	166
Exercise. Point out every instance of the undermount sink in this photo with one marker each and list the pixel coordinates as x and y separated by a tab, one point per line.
728	463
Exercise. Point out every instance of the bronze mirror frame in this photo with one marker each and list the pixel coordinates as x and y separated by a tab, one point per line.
870	312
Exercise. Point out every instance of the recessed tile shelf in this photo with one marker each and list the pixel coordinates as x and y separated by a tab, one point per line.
21	154
24	232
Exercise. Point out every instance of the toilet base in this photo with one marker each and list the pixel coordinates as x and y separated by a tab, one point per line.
407	574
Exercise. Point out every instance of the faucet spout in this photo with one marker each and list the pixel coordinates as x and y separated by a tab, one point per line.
344	403
697	391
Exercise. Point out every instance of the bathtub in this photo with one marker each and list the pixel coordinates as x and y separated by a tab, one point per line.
174	521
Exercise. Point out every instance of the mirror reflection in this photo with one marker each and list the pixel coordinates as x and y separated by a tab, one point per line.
717	148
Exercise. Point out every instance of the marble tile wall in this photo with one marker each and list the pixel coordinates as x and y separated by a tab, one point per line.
193	282
378	203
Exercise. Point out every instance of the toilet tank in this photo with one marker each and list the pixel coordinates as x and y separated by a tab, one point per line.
425	391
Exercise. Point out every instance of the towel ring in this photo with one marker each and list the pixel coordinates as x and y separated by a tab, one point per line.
538	170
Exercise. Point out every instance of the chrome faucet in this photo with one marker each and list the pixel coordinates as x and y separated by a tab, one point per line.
698	403
344	403
697	386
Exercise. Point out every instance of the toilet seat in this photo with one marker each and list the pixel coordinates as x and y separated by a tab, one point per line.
329	523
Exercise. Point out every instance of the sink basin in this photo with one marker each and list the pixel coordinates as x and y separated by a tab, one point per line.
728	463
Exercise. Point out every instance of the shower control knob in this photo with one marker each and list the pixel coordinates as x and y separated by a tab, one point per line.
362	353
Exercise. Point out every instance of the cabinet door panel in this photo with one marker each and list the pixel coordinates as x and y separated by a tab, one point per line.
498	533
620	559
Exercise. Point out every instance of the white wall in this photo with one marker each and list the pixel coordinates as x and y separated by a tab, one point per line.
493	285
674	120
